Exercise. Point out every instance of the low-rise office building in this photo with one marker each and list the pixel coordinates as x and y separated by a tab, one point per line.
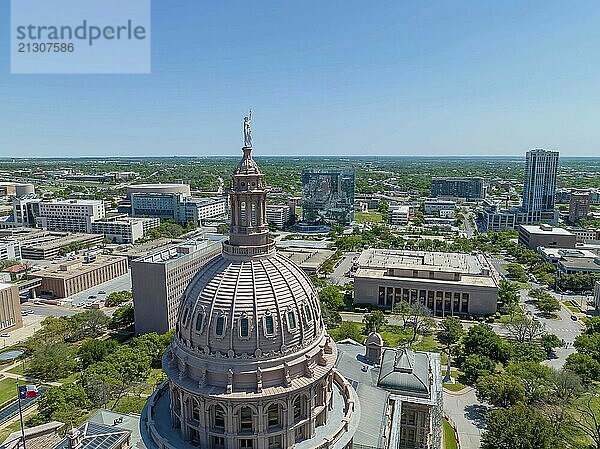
69	215
446	283
399	215
74	276
10	249
578	265
124	229
10	307
278	215
158	188
434	206
160	278
468	188
37	244
177	206
534	236
584	235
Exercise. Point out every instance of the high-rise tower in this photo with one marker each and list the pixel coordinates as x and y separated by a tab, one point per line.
539	189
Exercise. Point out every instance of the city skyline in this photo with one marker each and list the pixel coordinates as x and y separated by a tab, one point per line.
348	80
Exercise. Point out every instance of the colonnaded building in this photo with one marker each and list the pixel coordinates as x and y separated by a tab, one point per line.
446	283
251	364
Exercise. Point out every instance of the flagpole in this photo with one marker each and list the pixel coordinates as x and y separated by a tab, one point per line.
21	416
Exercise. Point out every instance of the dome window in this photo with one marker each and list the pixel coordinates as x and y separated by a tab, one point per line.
220	327
269	325
291	318
185	317
246	420
199	322
244	327
307	312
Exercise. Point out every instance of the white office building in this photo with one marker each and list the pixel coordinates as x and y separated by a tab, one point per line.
278	215
10	250
69	215
124	229
399	215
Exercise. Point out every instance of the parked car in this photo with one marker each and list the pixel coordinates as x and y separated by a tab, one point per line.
4	335
102	292
574	317
92	297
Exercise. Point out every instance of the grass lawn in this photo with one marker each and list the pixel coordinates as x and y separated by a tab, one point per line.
427	343
10	429
368	217
457	385
18	369
571	307
449	437
8	390
69	379
131	404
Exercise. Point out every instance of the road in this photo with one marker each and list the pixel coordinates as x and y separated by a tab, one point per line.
563	327
468	414
13	408
338	277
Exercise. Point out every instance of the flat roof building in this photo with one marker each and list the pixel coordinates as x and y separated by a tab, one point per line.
328	196
74	276
69	215
534	236
467	188
158	188
160	278
37	244
10	249
446	283
10	307
124	229
278	215
399	215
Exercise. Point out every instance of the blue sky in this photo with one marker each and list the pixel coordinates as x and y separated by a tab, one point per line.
329	77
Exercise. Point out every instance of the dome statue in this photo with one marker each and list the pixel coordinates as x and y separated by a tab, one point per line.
251	364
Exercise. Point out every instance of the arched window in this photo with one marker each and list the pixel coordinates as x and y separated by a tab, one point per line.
269	325
218	417
220	326
244	327
299	408
185	316
273	419
196	411
199	320
253	215
243	217
246	421
307	312
291	318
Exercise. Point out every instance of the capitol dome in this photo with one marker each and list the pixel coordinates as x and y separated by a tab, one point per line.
251	364
250	308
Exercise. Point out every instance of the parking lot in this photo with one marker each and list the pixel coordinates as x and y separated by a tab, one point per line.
114	285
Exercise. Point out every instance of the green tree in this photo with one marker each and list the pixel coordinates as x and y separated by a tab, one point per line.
585	366
153	345
118	298
122	318
374	321
517	272
332	297
525	352
475	366
52	361
518	427
482	340
66	403
535	378
589	344
549	343
500	390
89	324
452	331
348	329
92	351
508	296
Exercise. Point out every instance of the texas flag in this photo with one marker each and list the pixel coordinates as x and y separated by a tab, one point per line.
28	391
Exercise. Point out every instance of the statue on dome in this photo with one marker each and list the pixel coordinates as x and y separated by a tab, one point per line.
248	131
